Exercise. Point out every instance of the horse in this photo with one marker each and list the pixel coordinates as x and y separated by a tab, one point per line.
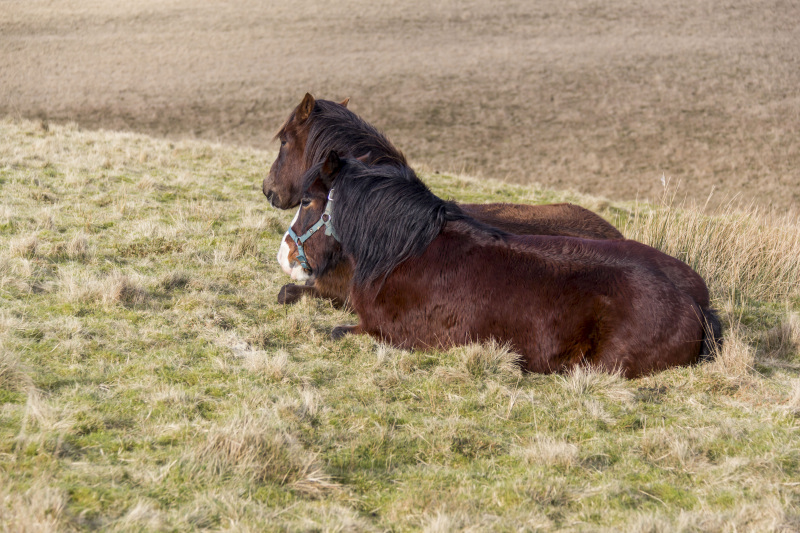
426	275
315	127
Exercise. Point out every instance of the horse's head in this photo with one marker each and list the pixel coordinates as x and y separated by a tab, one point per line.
283	185
311	244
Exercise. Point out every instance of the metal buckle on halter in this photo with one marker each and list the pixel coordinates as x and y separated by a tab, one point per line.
329	230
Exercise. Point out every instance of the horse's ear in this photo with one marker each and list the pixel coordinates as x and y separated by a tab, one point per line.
332	163
305	108
344	102
330	168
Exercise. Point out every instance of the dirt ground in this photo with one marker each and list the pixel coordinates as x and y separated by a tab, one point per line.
600	97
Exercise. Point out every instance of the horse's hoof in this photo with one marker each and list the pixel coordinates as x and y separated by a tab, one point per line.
340	331
289	294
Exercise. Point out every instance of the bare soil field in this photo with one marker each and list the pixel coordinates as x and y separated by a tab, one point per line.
600	97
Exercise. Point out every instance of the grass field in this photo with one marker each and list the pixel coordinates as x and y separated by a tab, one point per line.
598	97
149	381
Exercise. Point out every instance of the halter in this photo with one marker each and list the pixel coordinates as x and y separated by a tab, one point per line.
325	220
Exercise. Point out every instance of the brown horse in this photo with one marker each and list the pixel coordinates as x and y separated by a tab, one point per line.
316	127
426	274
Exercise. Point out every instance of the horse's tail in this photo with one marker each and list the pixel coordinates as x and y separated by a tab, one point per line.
712	335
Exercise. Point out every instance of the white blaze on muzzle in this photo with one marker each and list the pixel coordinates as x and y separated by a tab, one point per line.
292	268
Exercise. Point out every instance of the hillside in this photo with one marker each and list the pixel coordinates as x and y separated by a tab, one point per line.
598	97
150	381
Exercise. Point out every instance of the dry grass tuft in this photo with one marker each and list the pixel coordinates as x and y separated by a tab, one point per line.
245	244
311	401
261	362
15	273
143	516
792	404
41	417
121	288
13	377
671	447
154	229
326	516
583	381
169	394
27	246
115	288
257	446
8	323
545	450
40	508
783	341
489	359
258	220
767	516
78	247
175	280
736	359
46	219
384	353
147	183
444	522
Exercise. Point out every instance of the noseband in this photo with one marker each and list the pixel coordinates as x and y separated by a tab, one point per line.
324	220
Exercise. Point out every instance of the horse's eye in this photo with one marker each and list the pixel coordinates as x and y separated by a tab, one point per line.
305	202
283	143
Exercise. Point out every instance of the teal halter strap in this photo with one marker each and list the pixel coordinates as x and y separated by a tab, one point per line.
325	220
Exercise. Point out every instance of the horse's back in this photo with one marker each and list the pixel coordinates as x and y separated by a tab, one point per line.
681	275
564	219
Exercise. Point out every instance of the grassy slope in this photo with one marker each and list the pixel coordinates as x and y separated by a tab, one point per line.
148	379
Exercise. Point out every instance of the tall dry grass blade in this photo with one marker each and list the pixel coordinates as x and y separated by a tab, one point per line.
741	254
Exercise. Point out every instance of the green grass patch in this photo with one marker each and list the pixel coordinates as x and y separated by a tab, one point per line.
150	381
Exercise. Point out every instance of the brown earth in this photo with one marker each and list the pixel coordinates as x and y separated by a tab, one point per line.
601	97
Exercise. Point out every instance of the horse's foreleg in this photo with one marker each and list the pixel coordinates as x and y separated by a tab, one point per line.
340	331
291	293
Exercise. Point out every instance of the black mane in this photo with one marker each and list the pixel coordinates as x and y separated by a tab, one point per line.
385	214
334	127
